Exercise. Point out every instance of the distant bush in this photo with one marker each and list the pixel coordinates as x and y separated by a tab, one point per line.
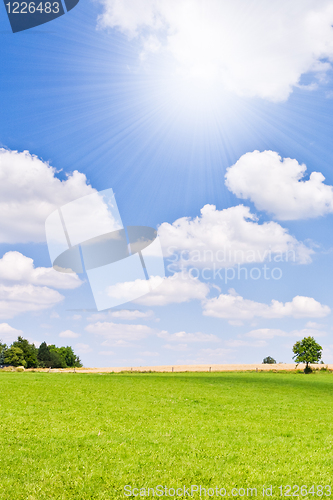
50	356
269	361
20	369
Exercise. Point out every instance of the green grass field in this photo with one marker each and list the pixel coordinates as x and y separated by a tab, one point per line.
76	436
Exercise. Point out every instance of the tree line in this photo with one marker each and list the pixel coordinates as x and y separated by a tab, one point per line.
24	353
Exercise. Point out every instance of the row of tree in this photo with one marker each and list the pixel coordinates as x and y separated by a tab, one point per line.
306	351
23	353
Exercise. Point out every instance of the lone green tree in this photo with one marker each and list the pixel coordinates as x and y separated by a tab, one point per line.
307	351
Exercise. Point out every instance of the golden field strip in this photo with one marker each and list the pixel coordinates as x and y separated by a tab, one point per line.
189	368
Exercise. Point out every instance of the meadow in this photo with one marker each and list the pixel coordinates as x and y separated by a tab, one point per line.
78	436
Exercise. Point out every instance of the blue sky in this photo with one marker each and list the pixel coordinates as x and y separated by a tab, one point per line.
157	103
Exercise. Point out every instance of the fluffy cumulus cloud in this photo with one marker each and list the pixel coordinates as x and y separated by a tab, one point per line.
176	347
209	355
228	237
259	49
82	348
128	314
19	299
8	334
232	305
188	337
112	332
267	333
24	288
29	192
276	185
122	314
245	343
68	334
270	333
149	354
15	267
314	325
178	288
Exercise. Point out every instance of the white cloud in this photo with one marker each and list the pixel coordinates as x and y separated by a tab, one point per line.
308	332
128	314
244	343
17	267
227	237
219	355
68	334
176	347
175	289
252	50
106	353
235	322
149	354
313	324
327	355
267	333
270	333
30	291
125	314
276	185
127	291
118	343
18	299
82	348
232	305
8	334
209	356
116	331
188	337
29	192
